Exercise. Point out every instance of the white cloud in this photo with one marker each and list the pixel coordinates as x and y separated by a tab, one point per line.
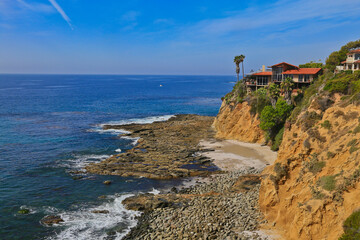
283	12
62	12
131	16
163	21
36	7
130	19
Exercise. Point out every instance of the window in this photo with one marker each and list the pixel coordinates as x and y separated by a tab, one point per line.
306	78
357	56
301	78
350	55
277	74
262	80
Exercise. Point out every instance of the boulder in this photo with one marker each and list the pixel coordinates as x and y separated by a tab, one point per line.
51	220
107	182
100	211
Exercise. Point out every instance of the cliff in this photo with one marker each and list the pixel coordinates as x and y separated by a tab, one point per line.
235	121
313	185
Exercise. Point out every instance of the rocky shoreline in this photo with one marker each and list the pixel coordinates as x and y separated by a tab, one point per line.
164	150
225	207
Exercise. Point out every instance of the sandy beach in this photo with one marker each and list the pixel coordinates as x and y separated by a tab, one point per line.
232	155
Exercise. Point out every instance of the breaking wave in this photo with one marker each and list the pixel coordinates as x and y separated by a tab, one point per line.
112	220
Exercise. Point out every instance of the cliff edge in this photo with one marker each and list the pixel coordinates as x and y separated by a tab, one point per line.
313	186
235	121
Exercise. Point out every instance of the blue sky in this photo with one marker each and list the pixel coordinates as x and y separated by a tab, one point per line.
169	37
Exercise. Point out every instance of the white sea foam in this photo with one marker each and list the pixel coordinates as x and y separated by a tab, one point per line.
134	139
139	120
147	120
79	162
154	191
49	210
118	150
100	130
32	210
100	127
83	224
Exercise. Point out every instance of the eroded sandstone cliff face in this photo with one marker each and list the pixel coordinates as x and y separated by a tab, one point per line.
234	121
313	185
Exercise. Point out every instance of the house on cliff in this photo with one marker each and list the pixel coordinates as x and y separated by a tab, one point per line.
352	61
279	72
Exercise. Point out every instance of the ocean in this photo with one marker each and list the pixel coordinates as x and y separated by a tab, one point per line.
50	125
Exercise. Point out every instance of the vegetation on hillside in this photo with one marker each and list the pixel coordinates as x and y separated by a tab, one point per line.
237	94
347	83
352	227
312	64
272	119
275	105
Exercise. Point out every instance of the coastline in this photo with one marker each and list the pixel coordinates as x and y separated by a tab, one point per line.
213	206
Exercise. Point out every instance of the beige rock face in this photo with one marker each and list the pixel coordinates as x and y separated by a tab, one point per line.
236	122
296	202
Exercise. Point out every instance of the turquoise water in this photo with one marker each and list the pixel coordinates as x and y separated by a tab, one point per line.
50	125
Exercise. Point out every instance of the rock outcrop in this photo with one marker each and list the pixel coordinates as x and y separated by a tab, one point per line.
164	150
235	121
51	220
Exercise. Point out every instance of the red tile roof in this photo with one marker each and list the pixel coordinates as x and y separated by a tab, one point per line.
343	62
358	61
285	64
355	51
303	71
263	74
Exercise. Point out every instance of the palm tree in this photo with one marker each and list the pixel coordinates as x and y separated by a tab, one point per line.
274	93
242	62
237	60
286	87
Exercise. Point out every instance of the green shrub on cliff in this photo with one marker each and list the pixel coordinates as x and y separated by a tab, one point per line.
237	95
307	96
278	140
352	227
273	119
344	83
327	182
258	101
326	124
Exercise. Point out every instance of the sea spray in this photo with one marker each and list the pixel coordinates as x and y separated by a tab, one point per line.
84	224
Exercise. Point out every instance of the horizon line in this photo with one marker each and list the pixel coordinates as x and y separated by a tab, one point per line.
118	74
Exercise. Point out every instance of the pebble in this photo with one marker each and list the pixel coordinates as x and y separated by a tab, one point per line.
213	216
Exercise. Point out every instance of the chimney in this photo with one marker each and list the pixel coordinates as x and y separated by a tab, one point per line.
263	68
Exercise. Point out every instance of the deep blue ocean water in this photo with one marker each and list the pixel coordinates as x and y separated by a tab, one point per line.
50	126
